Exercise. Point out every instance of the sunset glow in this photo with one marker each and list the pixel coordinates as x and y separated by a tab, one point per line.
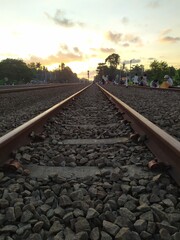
82	34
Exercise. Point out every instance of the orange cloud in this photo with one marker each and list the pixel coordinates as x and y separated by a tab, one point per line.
56	59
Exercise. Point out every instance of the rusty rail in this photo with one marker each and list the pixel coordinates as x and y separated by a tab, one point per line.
21	135
163	146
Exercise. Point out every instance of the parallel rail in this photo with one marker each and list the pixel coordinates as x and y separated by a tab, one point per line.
163	146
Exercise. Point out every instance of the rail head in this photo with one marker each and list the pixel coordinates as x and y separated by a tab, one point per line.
163	146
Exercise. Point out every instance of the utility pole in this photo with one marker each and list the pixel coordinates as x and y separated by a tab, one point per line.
130	63
130	68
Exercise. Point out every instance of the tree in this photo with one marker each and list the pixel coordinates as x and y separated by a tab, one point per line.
177	77
33	68
39	72
15	71
38	66
158	70
172	71
62	66
101	70
113	60
139	69
66	75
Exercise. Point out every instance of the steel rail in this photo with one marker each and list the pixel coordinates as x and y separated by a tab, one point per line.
163	146
23	89
21	135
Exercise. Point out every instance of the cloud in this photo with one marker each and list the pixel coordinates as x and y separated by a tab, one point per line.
126	39
103	50
135	61
61	56
165	38
76	50
125	45
151	58
60	19
124	20
132	39
98	51
132	61
64	47
114	37
153	4
165	31
169	39
107	50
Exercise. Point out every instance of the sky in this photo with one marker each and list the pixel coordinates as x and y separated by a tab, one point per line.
83	33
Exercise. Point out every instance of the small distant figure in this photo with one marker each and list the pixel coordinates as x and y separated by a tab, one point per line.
121	82
116	81
145	82
141	81
168	80
127	81
136	79
154	84
104	79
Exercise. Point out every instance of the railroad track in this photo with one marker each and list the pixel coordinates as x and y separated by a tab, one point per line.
89	176
35	87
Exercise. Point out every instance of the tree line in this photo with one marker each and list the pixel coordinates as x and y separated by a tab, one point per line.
114	68
16	71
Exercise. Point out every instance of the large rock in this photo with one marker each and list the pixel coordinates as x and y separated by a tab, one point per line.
110	227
